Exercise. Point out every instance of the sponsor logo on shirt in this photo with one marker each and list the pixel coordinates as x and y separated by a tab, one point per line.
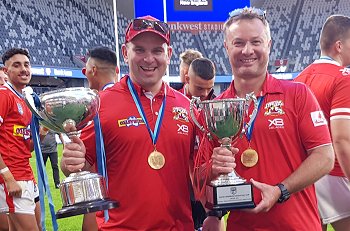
276	123
345	71
318	118
180	114
1	121
21	131
131	121
274	108
20	109
182	129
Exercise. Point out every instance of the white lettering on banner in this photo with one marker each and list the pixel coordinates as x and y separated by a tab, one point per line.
62	72
37	71
195	27
193	2
185	2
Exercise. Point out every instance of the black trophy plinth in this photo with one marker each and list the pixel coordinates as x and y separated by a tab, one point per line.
230	197
86	207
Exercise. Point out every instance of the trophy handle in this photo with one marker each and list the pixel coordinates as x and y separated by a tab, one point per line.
248	97
193	102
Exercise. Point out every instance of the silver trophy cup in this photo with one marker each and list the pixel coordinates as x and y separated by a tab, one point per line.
224	122
68	111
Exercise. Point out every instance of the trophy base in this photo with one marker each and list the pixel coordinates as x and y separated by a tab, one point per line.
230	197
86	207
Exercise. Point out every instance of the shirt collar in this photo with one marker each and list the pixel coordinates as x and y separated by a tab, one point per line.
270	86
140	91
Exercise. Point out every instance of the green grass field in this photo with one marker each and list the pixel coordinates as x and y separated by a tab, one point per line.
65	224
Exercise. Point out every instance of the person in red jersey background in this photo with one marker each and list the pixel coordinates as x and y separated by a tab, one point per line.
329	79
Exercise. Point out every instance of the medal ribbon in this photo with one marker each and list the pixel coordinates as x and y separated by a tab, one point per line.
42	176
136	98
101	155
249	132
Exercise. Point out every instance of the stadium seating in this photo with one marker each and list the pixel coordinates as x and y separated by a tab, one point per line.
58	32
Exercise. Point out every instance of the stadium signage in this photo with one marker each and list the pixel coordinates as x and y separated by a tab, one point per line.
57	72
193	5
196	27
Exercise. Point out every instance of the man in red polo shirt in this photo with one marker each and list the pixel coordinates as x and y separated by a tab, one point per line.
148	138
329	79
289	137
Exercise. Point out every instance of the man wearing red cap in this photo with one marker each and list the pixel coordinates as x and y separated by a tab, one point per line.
139	116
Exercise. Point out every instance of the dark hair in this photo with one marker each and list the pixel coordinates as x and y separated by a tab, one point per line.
14	51
335	28
103	54
204	68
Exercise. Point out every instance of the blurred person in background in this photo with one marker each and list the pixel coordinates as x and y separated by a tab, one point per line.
3	76
48	145
101	70
186	58
329	80
4	226
200	79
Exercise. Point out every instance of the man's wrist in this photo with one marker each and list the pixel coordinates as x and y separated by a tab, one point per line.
216	213
3	170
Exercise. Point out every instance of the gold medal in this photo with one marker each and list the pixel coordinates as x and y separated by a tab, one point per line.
156	160
249	158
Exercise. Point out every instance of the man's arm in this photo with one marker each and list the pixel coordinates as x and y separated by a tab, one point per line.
319	162
341	143
13	188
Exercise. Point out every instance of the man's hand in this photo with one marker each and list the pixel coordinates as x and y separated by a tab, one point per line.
223	161
12	186
269	197
212	223
73	158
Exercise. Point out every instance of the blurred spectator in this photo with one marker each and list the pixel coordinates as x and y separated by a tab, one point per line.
199	81
48	146
186	59
101	68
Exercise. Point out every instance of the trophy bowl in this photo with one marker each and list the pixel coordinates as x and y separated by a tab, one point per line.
224	122
65	110
68	111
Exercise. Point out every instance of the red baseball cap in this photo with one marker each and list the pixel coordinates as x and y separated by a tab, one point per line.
147	24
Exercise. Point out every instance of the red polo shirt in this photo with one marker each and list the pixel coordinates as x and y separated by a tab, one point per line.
330	83
288	124
149	199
